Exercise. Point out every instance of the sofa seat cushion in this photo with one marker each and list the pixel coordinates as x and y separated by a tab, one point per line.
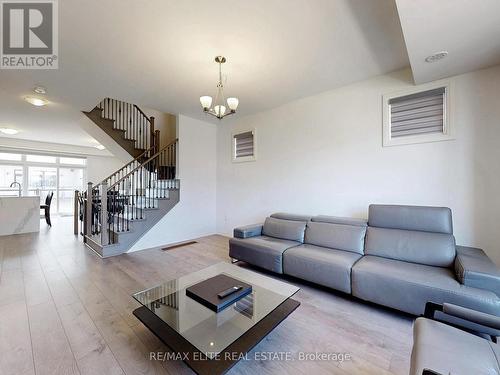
409	286
448	350
336	236
432	249
262	251
320	265
284	229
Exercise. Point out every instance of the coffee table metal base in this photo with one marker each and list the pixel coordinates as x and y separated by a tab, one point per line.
196	360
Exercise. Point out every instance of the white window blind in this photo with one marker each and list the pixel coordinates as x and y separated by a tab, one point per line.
418	114
244	145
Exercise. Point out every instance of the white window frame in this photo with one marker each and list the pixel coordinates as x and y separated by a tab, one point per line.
448	129
57	165
243	159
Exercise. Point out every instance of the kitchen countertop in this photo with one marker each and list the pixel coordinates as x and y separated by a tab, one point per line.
19	215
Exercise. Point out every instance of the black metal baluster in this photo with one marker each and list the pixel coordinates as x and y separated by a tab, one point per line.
120	204
112	213
132	195
147	183
109	222
142	192
127	119
127	202
117	205
122	124
134	176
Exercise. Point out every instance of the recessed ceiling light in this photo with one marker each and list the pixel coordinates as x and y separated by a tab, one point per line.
9	131
100	147
38	102
40	90
436	57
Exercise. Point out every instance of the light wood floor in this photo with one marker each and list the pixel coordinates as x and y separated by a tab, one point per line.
65	311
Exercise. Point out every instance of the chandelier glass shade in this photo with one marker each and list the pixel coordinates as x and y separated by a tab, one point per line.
219	107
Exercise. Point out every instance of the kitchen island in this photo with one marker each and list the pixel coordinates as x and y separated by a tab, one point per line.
19	215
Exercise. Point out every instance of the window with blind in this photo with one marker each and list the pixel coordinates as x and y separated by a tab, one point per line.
244	146
416	117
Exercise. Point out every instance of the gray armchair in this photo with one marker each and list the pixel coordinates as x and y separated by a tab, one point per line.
443	349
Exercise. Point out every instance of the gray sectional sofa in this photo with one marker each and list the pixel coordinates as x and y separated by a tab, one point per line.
401	257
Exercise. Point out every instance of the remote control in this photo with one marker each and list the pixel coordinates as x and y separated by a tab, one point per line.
229	291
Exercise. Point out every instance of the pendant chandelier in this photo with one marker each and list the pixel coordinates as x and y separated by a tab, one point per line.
219	108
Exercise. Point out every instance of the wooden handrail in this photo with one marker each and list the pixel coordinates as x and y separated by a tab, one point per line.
125	166
130	118
142	113
143	164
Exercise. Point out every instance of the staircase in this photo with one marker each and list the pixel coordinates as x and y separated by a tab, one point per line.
129	202
126	123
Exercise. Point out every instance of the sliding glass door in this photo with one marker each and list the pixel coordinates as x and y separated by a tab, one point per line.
42	181
70	179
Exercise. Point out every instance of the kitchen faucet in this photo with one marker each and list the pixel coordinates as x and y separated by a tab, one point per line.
16	183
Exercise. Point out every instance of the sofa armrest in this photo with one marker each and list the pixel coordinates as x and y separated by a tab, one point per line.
247	231
473	316
466	318
473	268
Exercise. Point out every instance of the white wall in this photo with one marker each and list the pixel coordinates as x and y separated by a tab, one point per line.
195	215
165	123
324	155
99	167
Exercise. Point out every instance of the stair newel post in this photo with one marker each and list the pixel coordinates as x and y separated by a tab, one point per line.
152	133
157	141
104	214
88	211
76	212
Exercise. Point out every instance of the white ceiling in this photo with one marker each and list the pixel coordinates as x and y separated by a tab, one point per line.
56	123
159	54
469	30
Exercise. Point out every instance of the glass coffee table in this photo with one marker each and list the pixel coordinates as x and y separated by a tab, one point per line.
210	342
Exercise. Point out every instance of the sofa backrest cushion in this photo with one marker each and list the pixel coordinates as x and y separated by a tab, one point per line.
285	229
433	249
427	219
293	217
340	220
336	236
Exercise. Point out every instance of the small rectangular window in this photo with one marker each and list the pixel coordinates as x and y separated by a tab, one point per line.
41	159
72	161
9	156
418	116
244	146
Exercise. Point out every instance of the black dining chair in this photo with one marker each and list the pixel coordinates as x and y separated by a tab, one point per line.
46	207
